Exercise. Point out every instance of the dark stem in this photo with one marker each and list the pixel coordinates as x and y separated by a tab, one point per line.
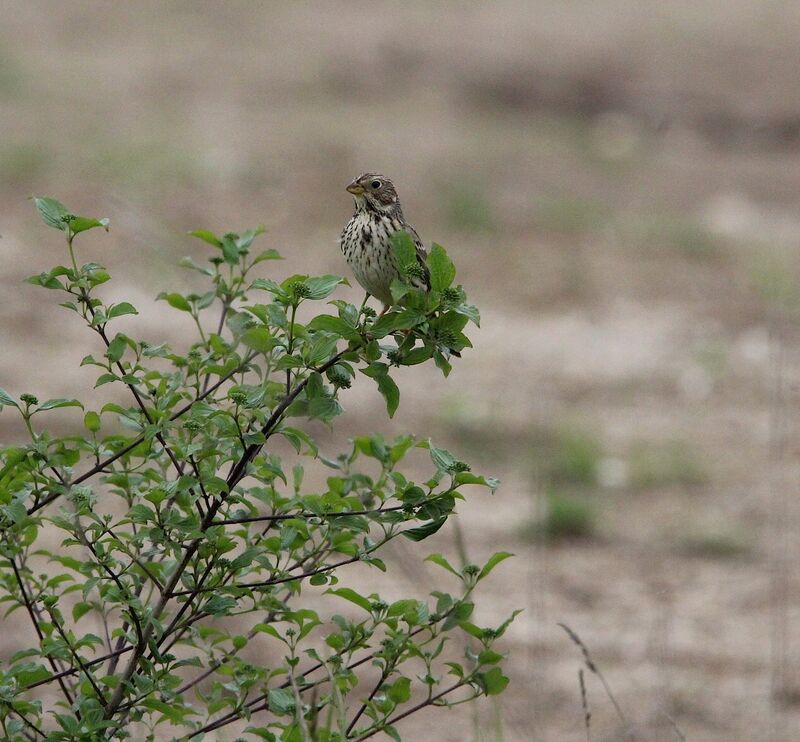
412	710
74	670
321	516
280	580
35	621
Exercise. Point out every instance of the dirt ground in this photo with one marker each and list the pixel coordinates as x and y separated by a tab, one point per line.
618	182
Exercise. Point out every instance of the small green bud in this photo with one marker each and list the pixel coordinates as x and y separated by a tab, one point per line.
238	396
300	290
290	632
194	354
451	295
378	606
471	569
395	357
216	260
369	312
193	426
414	270
459	466
29	399
67	218
339	377
81	496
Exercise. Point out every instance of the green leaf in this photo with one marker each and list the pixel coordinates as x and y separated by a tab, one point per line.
455	669
188	262
219	605
322	349
471	629
105	379
489	657
442	363
79	610
390	392
404	249
416	355
281	700
321	287
466	477
91	421
375	370
84	223
400	690
470	312
442	459
267	284
494	560
393	321
176	300
239	642
501	629
45	280
352	596
53	404
329	323
52	212
245	239
118	310
441	267
116	348
229	249
422	532
258	338
323	408
267	255
493	682
7	400
442	562
206	236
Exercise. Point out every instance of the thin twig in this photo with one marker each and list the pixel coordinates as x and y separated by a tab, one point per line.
75	656
307	514
594	669
412	710
587	716
280	580
75	670
35	621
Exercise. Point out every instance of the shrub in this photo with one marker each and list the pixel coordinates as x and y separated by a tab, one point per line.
193	562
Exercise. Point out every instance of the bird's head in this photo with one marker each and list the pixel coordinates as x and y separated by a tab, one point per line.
374	191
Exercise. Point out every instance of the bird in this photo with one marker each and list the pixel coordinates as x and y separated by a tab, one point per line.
366	239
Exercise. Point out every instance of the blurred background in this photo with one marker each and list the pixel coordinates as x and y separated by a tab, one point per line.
618	182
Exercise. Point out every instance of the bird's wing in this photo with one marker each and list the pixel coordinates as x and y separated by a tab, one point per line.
422	255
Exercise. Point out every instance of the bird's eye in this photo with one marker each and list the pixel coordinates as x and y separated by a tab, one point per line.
375	185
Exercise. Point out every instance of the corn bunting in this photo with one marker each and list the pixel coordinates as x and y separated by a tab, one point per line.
366	242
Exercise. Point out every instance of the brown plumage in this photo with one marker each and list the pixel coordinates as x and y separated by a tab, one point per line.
366	242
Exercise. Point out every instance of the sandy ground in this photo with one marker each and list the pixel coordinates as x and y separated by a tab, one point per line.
618	182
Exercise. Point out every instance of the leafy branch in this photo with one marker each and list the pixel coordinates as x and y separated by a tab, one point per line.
190	539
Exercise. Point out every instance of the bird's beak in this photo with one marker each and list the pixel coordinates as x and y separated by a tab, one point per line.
355	188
